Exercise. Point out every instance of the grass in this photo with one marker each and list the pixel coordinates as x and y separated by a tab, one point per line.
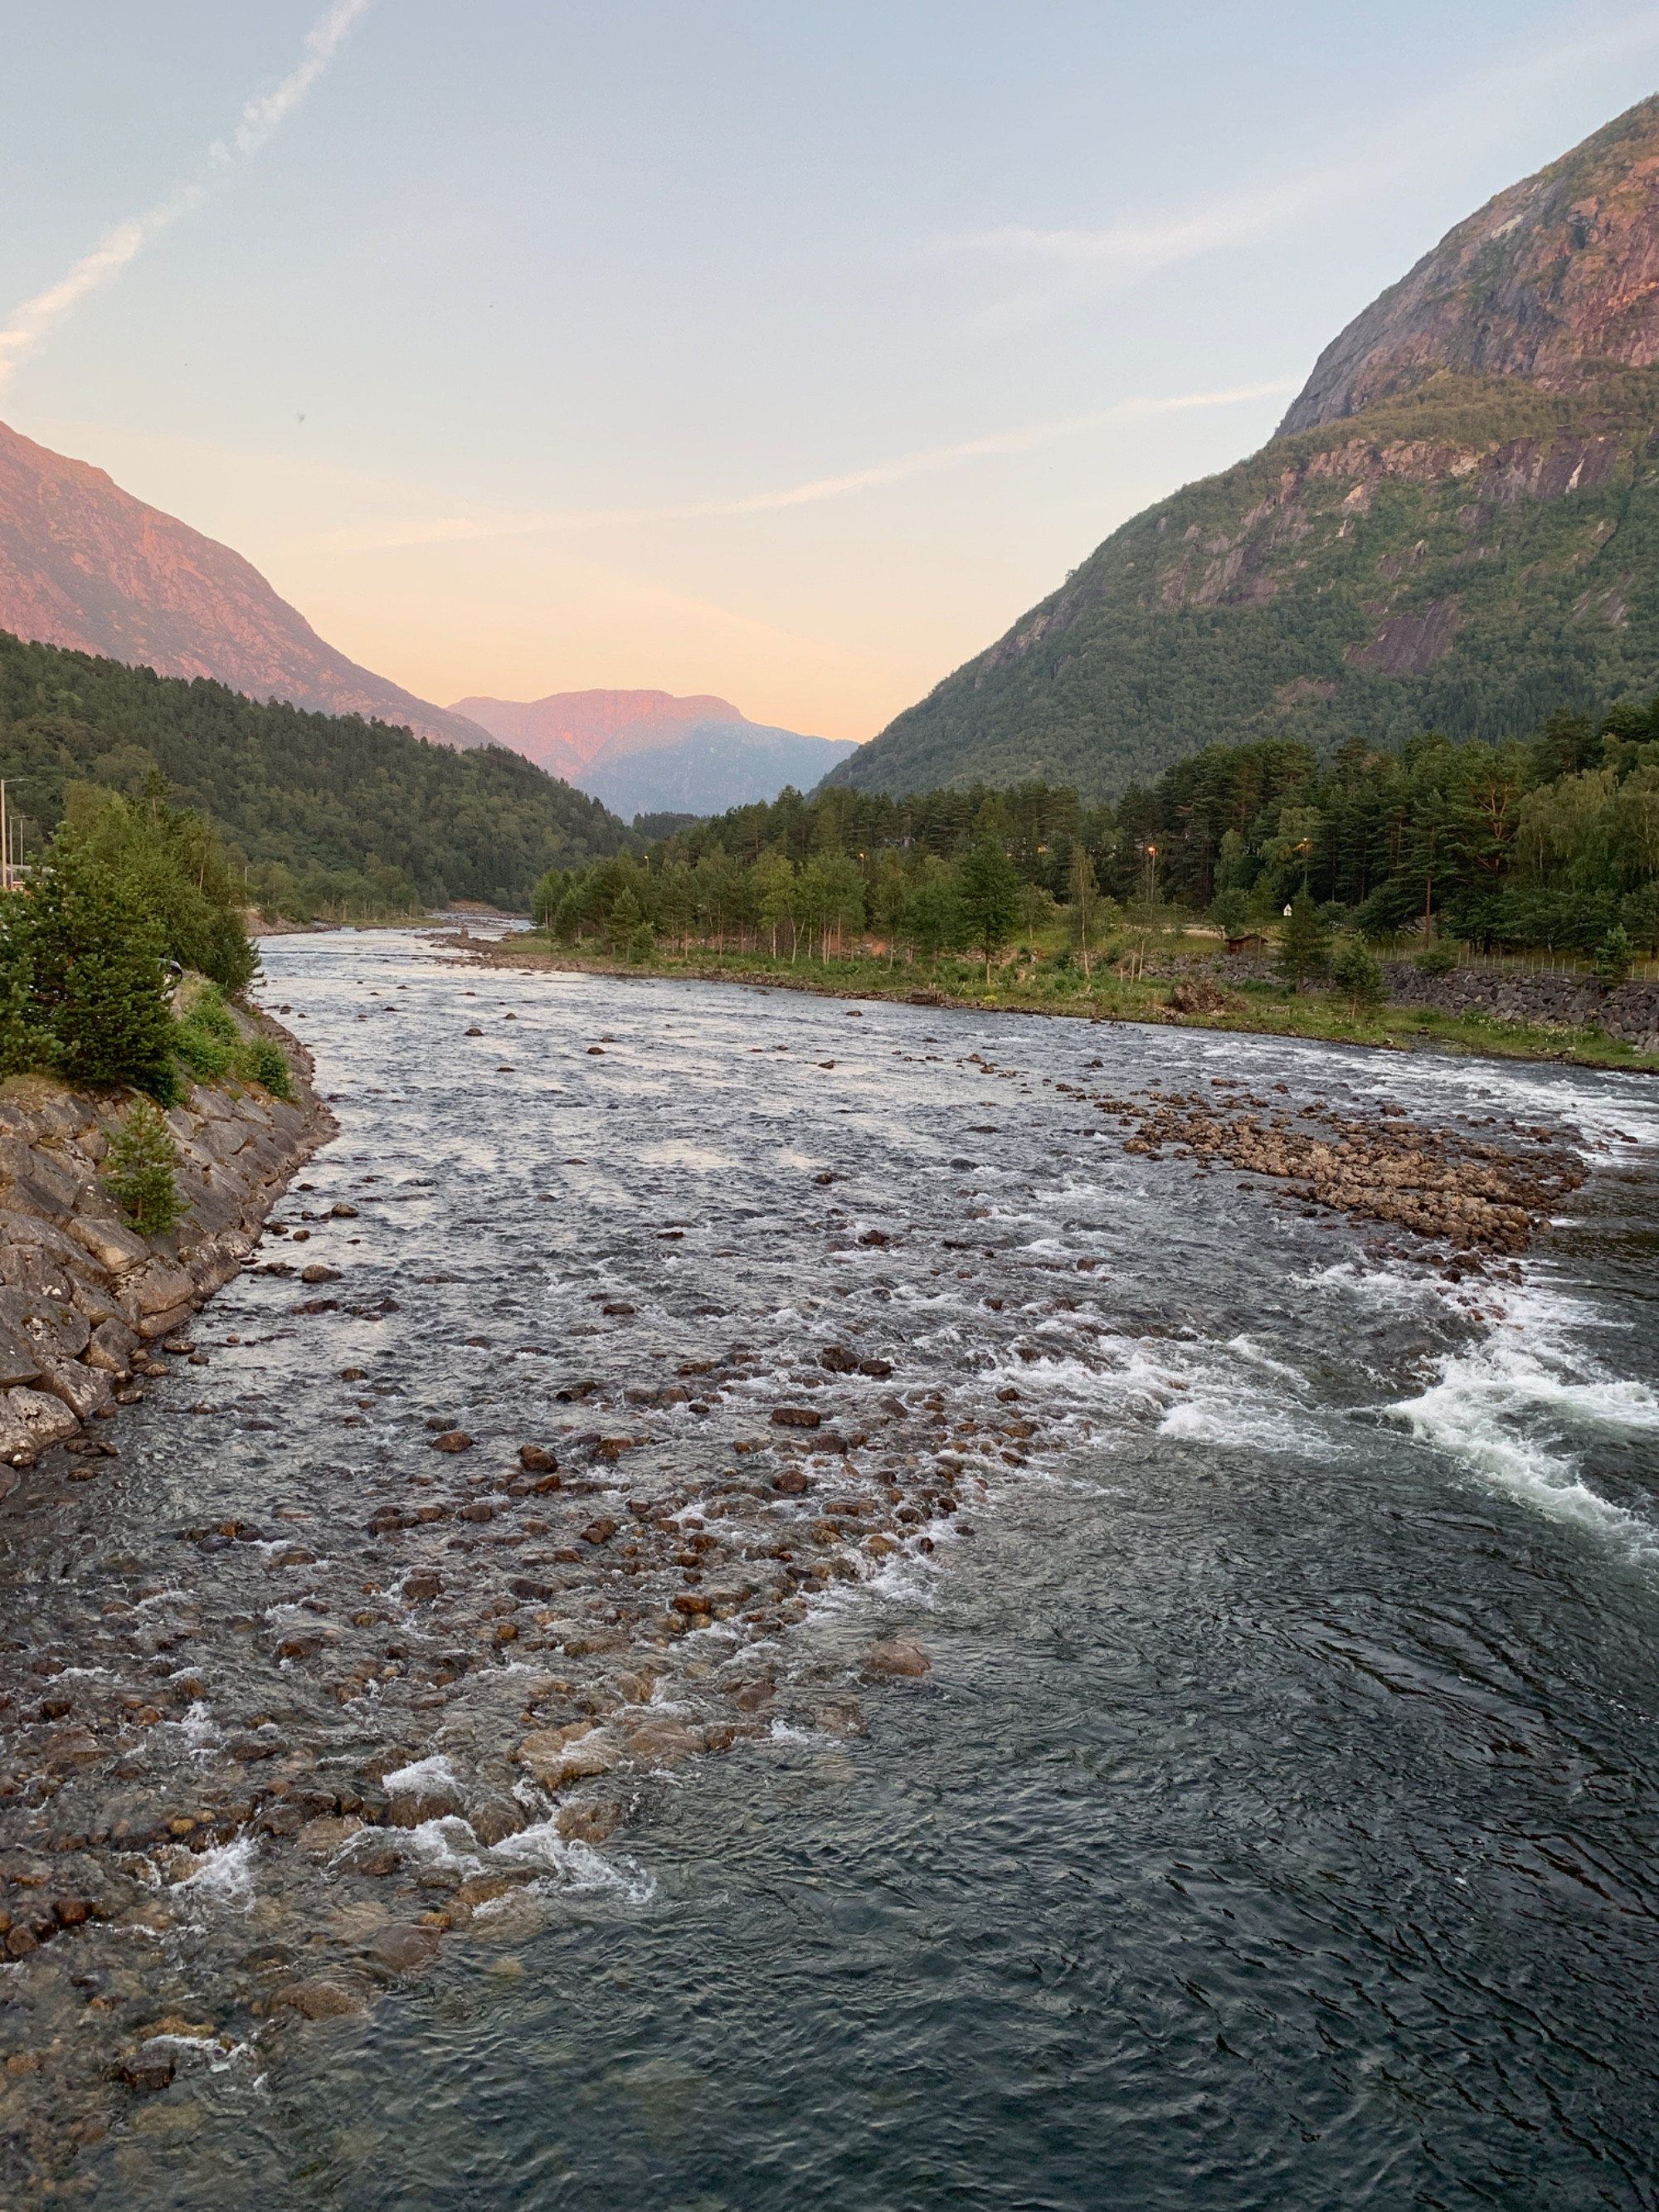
1032	981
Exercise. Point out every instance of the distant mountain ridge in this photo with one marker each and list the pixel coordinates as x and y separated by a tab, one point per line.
648	752
1456	527
566	729
85	565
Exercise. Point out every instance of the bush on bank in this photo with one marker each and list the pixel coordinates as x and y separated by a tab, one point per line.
92	943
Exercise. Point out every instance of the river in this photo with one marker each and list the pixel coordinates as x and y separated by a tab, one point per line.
1274	1825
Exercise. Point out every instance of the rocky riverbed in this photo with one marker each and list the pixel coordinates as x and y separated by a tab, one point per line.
651	1391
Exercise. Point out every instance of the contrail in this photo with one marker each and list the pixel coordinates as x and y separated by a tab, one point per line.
260	118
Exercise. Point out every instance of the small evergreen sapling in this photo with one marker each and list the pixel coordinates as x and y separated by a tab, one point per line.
1360	973
140	1174
1614	955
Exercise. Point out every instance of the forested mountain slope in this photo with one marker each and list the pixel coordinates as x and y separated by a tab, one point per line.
1426	544
308	792
84	564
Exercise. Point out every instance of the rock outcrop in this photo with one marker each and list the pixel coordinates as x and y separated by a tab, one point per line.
82	1293
1550	280
84	564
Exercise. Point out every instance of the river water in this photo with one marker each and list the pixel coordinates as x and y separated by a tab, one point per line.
1273	1828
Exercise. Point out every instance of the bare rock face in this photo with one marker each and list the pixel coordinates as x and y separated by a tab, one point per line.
1553	277
84	564
81	1293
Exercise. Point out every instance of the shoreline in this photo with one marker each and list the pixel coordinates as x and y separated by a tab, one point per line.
1456	1036
86	1302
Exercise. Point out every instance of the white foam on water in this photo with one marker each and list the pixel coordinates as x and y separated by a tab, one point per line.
224	1874
1227	1414
1247	1349
575	1866
1517	1408
441	1841
433	1773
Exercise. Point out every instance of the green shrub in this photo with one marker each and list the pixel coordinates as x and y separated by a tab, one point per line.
1436	959
25	1042
140	1174
206	1038
210	1040
268	1064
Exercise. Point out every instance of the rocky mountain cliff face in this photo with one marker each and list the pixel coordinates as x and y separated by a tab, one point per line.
84	564
1554	278
1457	526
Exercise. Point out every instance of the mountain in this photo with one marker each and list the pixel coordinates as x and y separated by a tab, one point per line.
647	752
85	565
330	799
1456	526
565	731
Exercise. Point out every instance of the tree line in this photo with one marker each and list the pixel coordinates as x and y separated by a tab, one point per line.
1552	842
321	814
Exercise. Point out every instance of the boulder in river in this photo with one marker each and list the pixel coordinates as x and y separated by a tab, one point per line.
898	1656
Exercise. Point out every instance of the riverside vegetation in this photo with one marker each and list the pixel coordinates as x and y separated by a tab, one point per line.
318	814
1034	899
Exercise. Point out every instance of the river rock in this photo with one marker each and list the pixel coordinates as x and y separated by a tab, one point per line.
898	1657
412	1808
317	2000
453	1440
83	1390
403	1948
554	1757
536	1459
31	1421
111	1347
796	1417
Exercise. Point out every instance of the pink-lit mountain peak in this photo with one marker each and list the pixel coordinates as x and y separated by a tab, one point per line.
568	729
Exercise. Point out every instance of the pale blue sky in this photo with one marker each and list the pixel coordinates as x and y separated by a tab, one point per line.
589	310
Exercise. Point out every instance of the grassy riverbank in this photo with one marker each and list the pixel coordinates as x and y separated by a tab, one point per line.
1016	986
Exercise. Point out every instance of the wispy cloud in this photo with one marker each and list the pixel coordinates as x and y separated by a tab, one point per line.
260	118
448	529
1132	249
1031	260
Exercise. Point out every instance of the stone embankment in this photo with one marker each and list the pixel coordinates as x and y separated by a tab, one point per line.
82	1293
1630	1011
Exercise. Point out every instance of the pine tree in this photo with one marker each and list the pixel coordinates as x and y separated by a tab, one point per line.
142	1160
100	979
1360	973
1303	942
990	898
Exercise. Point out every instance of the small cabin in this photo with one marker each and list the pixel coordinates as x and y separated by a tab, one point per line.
1251	941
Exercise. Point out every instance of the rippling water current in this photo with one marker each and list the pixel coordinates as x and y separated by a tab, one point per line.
1274	1827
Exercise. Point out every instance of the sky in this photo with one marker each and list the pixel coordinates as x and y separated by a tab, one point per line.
787	352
